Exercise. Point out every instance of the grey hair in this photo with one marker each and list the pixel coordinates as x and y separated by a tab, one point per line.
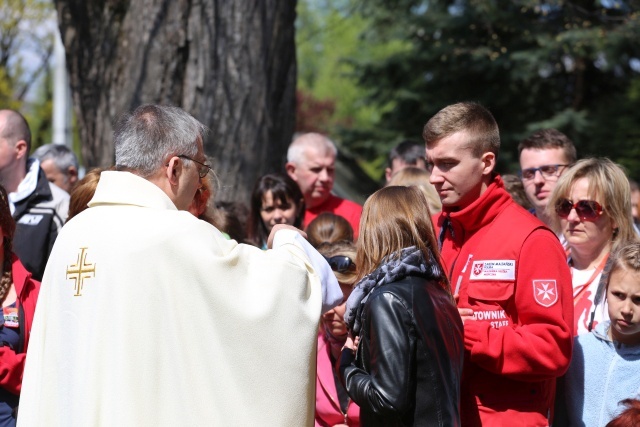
296	150
61	155
145	137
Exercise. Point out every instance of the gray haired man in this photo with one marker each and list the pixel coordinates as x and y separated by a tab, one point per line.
59	163
149	316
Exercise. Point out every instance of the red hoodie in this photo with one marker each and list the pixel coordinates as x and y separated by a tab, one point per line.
512	271
12	364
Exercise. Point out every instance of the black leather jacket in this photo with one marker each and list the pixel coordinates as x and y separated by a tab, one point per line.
407	368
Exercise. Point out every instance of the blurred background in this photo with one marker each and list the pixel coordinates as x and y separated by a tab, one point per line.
370	74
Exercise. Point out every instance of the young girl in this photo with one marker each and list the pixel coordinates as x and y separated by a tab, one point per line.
407	368
605	364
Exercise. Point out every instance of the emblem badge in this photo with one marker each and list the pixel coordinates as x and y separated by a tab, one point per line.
477	268
545	292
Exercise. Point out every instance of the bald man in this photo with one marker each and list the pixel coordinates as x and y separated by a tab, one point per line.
39	207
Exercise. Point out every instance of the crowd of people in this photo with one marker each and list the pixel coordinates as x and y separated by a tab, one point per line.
454	297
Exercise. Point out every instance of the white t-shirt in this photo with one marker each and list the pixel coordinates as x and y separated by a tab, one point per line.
583	299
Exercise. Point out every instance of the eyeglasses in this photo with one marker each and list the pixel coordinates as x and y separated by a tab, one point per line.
203	170
586	209
548	172
340	263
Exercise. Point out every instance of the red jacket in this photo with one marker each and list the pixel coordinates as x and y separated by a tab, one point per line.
351	211
12	363
511	270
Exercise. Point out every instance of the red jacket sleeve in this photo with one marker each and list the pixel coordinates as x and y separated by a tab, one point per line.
11	370
538	346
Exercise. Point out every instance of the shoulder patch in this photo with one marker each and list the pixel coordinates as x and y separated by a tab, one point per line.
545	292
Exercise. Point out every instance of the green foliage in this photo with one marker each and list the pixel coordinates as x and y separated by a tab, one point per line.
40	114
565	64
329	45
26	45
27	31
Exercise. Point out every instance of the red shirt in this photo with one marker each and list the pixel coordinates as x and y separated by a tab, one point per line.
511	270
351	211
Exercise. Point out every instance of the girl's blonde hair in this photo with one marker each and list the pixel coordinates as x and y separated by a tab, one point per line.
341	248
395	218
411	176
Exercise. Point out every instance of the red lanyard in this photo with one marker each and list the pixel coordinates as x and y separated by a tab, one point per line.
595	274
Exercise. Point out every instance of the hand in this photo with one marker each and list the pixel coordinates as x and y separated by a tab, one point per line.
350	344
278	227
465	314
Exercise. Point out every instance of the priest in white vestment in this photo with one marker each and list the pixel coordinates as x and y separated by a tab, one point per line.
148	316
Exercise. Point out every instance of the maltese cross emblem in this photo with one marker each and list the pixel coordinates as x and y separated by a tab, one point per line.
545	292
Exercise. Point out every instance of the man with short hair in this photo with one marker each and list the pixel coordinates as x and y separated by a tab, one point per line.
149	316
407	153
59	163
544	156
39	207
311	162
508	273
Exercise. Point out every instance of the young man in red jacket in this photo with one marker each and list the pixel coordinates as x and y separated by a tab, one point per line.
508	272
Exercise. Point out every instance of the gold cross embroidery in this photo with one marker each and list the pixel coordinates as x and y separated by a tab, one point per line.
81	270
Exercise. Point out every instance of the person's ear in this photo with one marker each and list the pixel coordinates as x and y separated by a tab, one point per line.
21	149
291	170
174	169
489	163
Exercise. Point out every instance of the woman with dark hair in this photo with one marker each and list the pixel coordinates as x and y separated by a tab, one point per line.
18	293
408	364
276	199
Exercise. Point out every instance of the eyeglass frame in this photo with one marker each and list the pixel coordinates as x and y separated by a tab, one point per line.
556	173
200	173
592	204
333	264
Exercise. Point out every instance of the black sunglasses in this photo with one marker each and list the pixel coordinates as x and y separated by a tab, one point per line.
586	209
340	263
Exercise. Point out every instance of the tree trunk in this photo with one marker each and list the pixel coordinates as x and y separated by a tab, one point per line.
231	64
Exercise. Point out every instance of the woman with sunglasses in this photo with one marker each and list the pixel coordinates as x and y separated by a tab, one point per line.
407	367
333	405
591	207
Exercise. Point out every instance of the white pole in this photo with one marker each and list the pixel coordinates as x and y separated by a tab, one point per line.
61	97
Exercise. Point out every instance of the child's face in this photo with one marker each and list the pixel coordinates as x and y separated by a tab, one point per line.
623	297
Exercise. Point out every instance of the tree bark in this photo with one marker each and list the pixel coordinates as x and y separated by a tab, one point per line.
231	64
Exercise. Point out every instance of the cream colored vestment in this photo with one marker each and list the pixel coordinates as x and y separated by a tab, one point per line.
149	317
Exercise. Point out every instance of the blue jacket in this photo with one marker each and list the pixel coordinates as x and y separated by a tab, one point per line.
601	374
